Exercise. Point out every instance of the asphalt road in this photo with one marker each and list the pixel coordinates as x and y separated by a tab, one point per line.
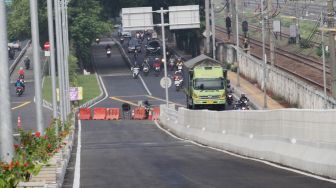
130	153
24	105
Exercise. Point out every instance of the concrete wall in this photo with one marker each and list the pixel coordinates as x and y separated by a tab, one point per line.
282	84
302	139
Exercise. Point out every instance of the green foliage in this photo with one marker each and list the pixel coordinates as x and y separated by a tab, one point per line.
32	154
85	24
319	52
19	26
73	77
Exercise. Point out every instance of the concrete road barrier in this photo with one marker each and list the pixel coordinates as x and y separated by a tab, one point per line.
302	139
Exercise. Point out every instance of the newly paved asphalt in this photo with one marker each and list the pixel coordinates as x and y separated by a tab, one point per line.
24	106
128	153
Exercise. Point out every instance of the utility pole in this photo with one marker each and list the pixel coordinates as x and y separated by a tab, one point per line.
37	64
207	26
332	60
59	60
52	57
213	30
66	55
297	23
164	54
263	52
270	32
323	61
6	129
237	41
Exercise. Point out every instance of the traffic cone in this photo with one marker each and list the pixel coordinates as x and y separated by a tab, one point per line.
150	115
19	122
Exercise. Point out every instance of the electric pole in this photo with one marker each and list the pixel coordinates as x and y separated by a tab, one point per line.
237	41
297	23
263	52
207	26
37	64
213	30
6	129
332	61
52	57
270	32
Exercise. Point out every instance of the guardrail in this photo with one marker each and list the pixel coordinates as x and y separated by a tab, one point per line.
302	139
17	60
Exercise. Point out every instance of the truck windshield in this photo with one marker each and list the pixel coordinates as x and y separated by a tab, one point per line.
209	83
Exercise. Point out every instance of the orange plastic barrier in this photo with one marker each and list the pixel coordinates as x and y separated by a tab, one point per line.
150	115
84	113
139	113
113	114
99	113
156	113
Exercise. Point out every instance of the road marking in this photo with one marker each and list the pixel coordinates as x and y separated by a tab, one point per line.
145	85
21	105
124	101
244	157
130	96
76	183
156	98
116	75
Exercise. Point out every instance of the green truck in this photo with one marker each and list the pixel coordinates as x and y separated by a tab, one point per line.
206	86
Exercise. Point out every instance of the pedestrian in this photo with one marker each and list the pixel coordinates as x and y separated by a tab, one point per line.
246	45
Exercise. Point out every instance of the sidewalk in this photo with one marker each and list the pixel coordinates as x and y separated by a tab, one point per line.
255	95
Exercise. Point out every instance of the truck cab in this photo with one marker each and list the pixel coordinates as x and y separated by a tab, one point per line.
207	84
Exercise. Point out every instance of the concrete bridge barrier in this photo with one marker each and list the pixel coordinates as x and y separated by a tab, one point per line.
301	139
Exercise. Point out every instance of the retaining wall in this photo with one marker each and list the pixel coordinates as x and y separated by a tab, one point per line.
282	84
302	139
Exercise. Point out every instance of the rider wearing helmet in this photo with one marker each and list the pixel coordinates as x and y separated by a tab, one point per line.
20	83
21	73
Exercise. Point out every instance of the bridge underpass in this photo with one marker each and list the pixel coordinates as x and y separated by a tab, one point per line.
130	153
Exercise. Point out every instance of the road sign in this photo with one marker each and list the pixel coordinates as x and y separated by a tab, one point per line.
139	18
205	35
46	45
165	81
184	17
47	53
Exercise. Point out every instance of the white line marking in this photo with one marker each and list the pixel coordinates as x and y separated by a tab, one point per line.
145	85
248	158
76	182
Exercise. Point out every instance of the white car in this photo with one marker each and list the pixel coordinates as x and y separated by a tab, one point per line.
126	34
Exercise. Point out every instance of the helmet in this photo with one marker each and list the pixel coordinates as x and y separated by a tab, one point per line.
243	95
21	80
21	68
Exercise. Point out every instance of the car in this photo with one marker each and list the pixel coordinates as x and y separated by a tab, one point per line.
153	47
126	34
15	45
134	44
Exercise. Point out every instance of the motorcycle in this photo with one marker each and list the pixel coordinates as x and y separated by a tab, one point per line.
122	40
19	91
171	63
241	105
179	67
178	82
135	72
108	52
157	69
145	68
229	98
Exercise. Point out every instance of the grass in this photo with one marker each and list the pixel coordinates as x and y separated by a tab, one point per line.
88	82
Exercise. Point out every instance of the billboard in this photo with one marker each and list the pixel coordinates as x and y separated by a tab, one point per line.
76	93
184	17
139	18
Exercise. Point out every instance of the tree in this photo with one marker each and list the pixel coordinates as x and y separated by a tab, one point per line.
85	24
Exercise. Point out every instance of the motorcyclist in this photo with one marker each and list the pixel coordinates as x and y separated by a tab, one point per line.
21	73
27	62
178	75
108	46
243	98
179	62
20	83
147	107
